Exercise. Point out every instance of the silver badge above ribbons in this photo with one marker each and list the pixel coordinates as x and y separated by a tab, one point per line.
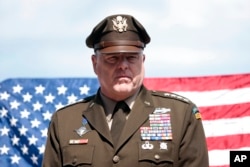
120	24
83	129
161	110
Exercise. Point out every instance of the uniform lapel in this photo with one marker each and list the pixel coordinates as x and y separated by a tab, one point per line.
139	114
96	117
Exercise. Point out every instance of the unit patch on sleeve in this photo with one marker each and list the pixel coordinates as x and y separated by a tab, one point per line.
196	113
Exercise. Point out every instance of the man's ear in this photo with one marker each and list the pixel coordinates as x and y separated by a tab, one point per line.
94	62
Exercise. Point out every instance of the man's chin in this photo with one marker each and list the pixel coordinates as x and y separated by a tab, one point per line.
123	87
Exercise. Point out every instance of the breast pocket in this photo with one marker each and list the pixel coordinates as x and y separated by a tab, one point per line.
156	154
77	155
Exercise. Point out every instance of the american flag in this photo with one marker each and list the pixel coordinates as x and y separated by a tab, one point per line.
26	106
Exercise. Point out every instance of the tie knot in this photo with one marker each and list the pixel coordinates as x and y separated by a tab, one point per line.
121	105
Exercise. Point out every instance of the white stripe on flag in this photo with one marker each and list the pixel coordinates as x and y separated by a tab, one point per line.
218	97
221	157
223	127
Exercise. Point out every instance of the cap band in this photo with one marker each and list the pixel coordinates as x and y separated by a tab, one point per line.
104	44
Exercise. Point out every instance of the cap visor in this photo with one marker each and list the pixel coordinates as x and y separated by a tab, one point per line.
119	49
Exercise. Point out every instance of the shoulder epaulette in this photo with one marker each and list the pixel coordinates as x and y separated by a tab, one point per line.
170	95
87	99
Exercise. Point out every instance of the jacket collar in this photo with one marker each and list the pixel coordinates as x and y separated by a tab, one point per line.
142	107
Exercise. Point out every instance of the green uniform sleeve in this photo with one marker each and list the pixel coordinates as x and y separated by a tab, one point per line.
193	148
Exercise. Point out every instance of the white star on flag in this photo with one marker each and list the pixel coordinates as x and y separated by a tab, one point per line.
14	104
37	106
15	159
4	150
3	112
23	130
84	90
59	105
72	98
32	140
25	149
35	123
49	98
223	102
4	96
13	121
34	159
17	89
44	132
61	90
41	149
15	140
25	114
4	131
39	89
26	108
27	97
47	115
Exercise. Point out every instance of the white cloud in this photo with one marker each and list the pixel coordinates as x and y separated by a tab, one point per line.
29	9
179	56
189	34
42	18
187	13
237	9
197	13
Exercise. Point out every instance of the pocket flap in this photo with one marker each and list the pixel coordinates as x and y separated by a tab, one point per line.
74	155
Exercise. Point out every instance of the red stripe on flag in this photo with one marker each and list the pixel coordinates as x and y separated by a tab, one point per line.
225	111
230	142
198	83
223	102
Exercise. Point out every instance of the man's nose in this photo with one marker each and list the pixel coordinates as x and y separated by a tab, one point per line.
123	62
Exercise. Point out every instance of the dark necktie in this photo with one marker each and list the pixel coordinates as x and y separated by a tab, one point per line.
119	119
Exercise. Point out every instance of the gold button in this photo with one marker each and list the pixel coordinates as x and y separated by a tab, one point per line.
157	157
116	159
74	161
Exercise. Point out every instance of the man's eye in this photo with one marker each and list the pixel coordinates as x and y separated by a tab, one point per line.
112	59
132	58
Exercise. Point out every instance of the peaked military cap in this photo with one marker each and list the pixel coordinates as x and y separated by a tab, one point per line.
120	30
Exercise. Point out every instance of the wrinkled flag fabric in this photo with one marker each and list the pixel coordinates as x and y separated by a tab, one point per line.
26	107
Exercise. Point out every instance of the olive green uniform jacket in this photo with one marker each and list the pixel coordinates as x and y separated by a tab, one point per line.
67	147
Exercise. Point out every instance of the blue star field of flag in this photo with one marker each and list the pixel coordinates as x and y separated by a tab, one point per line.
26	107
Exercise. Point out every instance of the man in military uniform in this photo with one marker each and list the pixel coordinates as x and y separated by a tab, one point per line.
148	128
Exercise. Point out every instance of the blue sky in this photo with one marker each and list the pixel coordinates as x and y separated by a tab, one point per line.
46	38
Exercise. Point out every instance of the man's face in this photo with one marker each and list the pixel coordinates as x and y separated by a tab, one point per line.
120	73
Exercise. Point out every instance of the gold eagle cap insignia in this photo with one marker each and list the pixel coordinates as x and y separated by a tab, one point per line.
120	24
